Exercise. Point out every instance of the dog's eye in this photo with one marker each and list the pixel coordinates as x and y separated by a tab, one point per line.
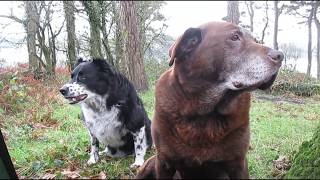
81	78
235	37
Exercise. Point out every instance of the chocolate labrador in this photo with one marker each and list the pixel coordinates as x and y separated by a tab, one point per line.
201	122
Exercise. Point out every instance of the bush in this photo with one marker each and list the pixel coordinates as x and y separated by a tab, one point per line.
290	81
21	92
154	69
306	163
13	93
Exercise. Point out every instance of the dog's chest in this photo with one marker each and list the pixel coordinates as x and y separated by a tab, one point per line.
104	124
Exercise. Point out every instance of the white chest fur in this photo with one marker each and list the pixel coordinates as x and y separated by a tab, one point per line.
104	124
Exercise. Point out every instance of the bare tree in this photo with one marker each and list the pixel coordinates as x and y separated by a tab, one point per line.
233	14
249	5
44	38
266	19
47	36
119	54
106	7
304	9
69	10
30	26
93	11
310	17
316	20
31	29
132	49
149	12
277	13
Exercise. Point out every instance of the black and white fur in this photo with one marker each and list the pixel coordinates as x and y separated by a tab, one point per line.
111	110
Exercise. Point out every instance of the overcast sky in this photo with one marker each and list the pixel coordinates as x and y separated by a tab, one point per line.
181	15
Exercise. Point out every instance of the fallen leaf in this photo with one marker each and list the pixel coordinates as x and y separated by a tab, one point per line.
71	174
282	163
125	177
49	176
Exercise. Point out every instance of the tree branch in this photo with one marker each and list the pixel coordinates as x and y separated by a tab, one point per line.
14	18
153	38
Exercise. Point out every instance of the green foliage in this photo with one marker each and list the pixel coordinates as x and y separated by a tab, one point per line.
290	81
306	163
154	69
13	94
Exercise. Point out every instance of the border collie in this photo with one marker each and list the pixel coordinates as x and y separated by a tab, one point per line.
111	110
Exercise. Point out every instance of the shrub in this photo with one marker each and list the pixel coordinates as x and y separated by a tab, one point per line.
290	81
21	92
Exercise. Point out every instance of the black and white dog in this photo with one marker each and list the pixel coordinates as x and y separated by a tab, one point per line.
111	110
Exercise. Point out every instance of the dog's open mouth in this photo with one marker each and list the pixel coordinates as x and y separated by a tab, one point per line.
259	85
76	99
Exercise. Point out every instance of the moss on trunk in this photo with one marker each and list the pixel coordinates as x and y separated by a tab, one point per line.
306	163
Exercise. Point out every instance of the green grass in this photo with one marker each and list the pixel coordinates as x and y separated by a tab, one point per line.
276	129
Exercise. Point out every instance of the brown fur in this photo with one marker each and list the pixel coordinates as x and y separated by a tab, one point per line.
201	127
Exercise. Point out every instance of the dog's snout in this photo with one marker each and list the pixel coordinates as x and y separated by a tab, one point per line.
63	90
276	55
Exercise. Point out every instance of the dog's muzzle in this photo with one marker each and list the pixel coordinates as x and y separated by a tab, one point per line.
73	98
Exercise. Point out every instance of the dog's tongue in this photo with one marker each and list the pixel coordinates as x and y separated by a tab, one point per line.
81	97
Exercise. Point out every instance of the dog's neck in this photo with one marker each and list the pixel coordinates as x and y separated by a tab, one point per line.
97	103
210	99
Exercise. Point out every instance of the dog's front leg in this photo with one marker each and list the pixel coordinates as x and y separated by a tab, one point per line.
94	156
237	169
140	146
163	169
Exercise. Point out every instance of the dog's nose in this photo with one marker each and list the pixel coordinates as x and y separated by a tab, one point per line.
63	91
276	55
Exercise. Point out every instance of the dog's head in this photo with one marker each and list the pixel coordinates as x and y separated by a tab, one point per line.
224	54
88	79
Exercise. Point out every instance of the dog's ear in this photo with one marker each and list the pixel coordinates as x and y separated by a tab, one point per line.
185	44
80	60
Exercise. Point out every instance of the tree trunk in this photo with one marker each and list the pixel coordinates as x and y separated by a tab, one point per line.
310	41
266	24
233	14
316	20
249	5
69	9
31	27
91	7
119	38
140	5
275	30
105	39
132	50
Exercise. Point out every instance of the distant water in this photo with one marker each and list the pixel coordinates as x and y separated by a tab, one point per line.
302	64
13	56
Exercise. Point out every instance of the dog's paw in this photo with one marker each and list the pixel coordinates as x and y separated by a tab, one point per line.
136	164
102	153
105	152
92	160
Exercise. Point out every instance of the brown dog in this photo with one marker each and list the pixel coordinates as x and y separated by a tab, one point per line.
201	122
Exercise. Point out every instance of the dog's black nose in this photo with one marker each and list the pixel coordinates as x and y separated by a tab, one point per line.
276	55
63	91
